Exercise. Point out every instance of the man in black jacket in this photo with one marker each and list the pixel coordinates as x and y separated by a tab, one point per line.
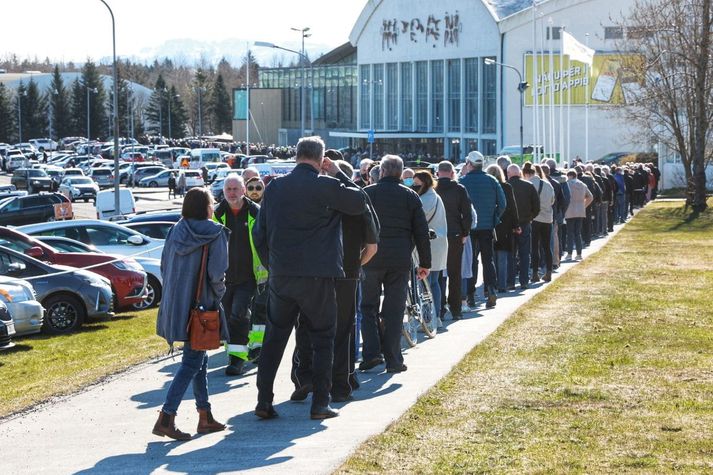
587	226
403	222
459	218
528	207
299	236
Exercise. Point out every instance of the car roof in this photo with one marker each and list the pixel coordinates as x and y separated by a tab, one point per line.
66	224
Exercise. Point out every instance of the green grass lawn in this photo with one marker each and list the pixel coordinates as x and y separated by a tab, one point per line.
41	366
609	370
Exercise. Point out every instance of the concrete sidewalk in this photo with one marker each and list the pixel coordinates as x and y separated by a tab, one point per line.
107	428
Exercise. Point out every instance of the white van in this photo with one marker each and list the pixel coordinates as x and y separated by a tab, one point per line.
105	203
201	156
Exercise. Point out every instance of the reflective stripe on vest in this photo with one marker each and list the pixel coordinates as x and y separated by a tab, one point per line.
256	336
259	270
239	351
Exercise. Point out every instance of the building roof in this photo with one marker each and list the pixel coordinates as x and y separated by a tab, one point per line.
505	8
345	53
44	80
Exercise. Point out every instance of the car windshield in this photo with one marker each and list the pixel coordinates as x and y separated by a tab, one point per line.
14	244
38	173
68	245
80	181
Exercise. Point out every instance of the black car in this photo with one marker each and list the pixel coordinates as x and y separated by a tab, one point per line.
31	179
30	209
7	328
154	216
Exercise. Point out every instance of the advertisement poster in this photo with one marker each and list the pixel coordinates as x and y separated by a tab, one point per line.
609	82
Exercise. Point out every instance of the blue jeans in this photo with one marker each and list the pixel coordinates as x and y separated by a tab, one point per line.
502	259
193	369
523	245
620	208
574	234
434	281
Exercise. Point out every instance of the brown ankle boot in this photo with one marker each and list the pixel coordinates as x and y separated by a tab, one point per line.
547	277
165	426
206	423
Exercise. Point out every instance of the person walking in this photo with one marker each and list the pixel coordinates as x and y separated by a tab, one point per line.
459	218
542	223
180	266
489	202
245	270
299	235
171	185
504	231
580	199
181	183
403	223
528	206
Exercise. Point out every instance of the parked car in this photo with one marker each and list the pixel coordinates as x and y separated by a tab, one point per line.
70	296
213	169
132	157
105	204
103	177
152	267
19	210
153	229
15	159
127	277
56	174
7	328
44	145
31	179
142	172
79	188
73	172
19	297
104	235
194	179
147	216
7	191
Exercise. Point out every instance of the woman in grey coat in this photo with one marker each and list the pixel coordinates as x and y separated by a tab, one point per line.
180	266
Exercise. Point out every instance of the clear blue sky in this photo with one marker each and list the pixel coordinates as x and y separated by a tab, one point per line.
72	30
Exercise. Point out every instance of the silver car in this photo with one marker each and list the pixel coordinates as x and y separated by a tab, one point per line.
104	177
19	297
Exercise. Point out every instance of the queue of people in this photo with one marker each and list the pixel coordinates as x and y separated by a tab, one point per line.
328	251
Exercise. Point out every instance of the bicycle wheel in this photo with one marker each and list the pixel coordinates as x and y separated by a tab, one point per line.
410	326
426	309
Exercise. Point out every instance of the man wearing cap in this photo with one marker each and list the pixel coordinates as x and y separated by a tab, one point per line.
489	202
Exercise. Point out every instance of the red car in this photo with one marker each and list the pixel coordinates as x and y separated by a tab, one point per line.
127	277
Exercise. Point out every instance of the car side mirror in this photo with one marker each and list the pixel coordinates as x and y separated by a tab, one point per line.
35	251
135	240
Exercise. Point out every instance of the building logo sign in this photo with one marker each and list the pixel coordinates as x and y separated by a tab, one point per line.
434	30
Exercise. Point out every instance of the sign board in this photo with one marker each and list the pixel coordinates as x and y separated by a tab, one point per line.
63	211
240	104
608	81
370	136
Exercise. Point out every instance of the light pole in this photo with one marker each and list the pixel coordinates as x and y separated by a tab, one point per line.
89	128
19	111
117	202
521	87
303	60
303	94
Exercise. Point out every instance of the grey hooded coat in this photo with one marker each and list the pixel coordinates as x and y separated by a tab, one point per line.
180	264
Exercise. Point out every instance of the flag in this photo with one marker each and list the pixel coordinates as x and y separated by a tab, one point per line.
576	50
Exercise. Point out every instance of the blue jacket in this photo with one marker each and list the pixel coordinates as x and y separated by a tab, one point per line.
299	227
180	263
487	196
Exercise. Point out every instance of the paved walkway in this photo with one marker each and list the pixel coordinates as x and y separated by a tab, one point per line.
107	428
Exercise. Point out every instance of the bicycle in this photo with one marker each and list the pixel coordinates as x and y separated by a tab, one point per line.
420	311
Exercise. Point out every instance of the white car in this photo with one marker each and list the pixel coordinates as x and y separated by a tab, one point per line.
106	236
26	311
44	145
214	168
79	188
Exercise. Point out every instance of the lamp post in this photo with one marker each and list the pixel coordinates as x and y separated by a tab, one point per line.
521	87
304	60
89	127
117	203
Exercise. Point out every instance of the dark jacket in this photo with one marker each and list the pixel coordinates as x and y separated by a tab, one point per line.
528	202
508	221
604	186
459	216
592	185
561	199
403	223
180	263
299	228
220	215
487	197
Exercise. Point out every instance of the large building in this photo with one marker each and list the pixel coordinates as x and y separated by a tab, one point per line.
428	77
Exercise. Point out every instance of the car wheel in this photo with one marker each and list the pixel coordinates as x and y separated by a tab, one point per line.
65	313
153	184
153	291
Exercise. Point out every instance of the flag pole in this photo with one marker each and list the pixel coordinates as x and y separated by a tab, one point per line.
541	64
586	109
561	93
535	100
553	142
569	107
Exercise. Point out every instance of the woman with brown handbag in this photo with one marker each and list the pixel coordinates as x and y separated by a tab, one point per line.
184	267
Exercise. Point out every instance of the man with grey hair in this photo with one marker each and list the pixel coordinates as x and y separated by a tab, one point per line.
403	223
528	207
249	173
299	235
363	178
245	270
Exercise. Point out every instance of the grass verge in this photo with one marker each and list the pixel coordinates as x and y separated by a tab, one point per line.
608	370
40	366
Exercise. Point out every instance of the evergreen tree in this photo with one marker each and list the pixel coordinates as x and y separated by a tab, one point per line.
7	116
78	120
34	112
179	117
93	90
21	108
124	101
201	89
221	107
60	103
157	109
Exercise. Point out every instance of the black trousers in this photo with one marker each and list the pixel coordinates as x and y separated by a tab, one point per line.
236	303
541	236
587	226
315	301
453	266
482	242
395	285
344	341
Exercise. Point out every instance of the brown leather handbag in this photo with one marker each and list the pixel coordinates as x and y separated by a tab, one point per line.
203	325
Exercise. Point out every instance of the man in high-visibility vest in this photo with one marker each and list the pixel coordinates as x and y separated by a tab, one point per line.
245	272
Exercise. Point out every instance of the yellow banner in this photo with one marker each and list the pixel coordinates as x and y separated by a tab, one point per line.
609	82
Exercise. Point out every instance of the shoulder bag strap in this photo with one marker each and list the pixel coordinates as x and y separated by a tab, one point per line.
204	259
539	189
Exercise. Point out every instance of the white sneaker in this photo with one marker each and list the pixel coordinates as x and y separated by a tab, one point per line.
568	257
578	258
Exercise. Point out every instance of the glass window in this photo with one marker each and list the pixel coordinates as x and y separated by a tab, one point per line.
489	147
489	108
365	91
406	97
454	95
392	96
437	96
554	32
422	96
471	95
613	32
107	236
379	96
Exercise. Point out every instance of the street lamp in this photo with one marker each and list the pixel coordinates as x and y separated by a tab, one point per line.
94	90
304	60
521	87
